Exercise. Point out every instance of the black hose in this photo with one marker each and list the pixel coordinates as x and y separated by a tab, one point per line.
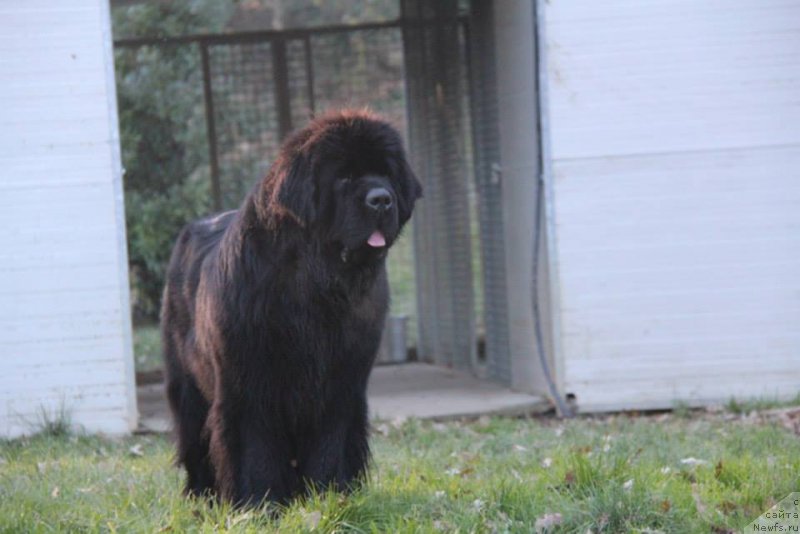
562	408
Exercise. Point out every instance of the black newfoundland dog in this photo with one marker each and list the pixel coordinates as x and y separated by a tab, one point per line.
272	315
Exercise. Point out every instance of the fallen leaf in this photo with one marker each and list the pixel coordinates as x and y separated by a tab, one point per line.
136	450
546	521
628	485
439	494
718	469
665	470
41	467
311	519
55	493
666	505
547	462
520	448
398	422
478	504
728	506
694	461
239	518
698	503
569	478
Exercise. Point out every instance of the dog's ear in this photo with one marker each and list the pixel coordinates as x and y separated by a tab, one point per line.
410	191
297	191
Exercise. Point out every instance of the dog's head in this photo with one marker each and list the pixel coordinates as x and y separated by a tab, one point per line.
345	177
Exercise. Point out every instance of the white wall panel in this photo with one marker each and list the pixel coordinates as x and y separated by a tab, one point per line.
65	340
674	157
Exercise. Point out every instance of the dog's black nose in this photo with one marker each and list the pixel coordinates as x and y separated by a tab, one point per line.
379	199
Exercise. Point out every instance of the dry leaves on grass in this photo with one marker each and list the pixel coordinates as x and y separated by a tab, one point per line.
311	520
547	521
694	461
232	521
788	418
698	502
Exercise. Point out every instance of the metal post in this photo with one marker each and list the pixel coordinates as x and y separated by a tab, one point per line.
312	106
282	97
211	129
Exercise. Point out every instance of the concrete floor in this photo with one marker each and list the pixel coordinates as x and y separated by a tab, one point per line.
397	392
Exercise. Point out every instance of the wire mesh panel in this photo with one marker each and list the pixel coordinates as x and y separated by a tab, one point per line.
300	80
417	72
438	148
360	68
486	154
245	115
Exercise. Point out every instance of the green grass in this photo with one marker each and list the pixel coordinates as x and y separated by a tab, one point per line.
617	474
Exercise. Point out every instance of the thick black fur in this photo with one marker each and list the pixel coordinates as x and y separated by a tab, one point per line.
272	315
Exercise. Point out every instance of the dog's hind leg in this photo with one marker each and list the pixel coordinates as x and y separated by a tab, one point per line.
190	411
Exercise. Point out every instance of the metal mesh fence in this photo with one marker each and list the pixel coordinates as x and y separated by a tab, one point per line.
442	236
431	74
361	67
245	115
486	157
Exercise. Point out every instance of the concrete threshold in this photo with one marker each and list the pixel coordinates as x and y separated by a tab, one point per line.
397	392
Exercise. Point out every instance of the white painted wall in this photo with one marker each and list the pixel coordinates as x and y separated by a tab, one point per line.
65	335
673	157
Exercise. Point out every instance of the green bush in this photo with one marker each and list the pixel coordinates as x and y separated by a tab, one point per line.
153	223
162	130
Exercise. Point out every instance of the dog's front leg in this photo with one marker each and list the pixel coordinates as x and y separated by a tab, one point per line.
252	463
340	455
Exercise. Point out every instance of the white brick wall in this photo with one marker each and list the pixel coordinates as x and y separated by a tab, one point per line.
65	338
674	156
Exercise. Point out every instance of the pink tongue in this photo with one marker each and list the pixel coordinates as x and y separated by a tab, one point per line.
376	239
